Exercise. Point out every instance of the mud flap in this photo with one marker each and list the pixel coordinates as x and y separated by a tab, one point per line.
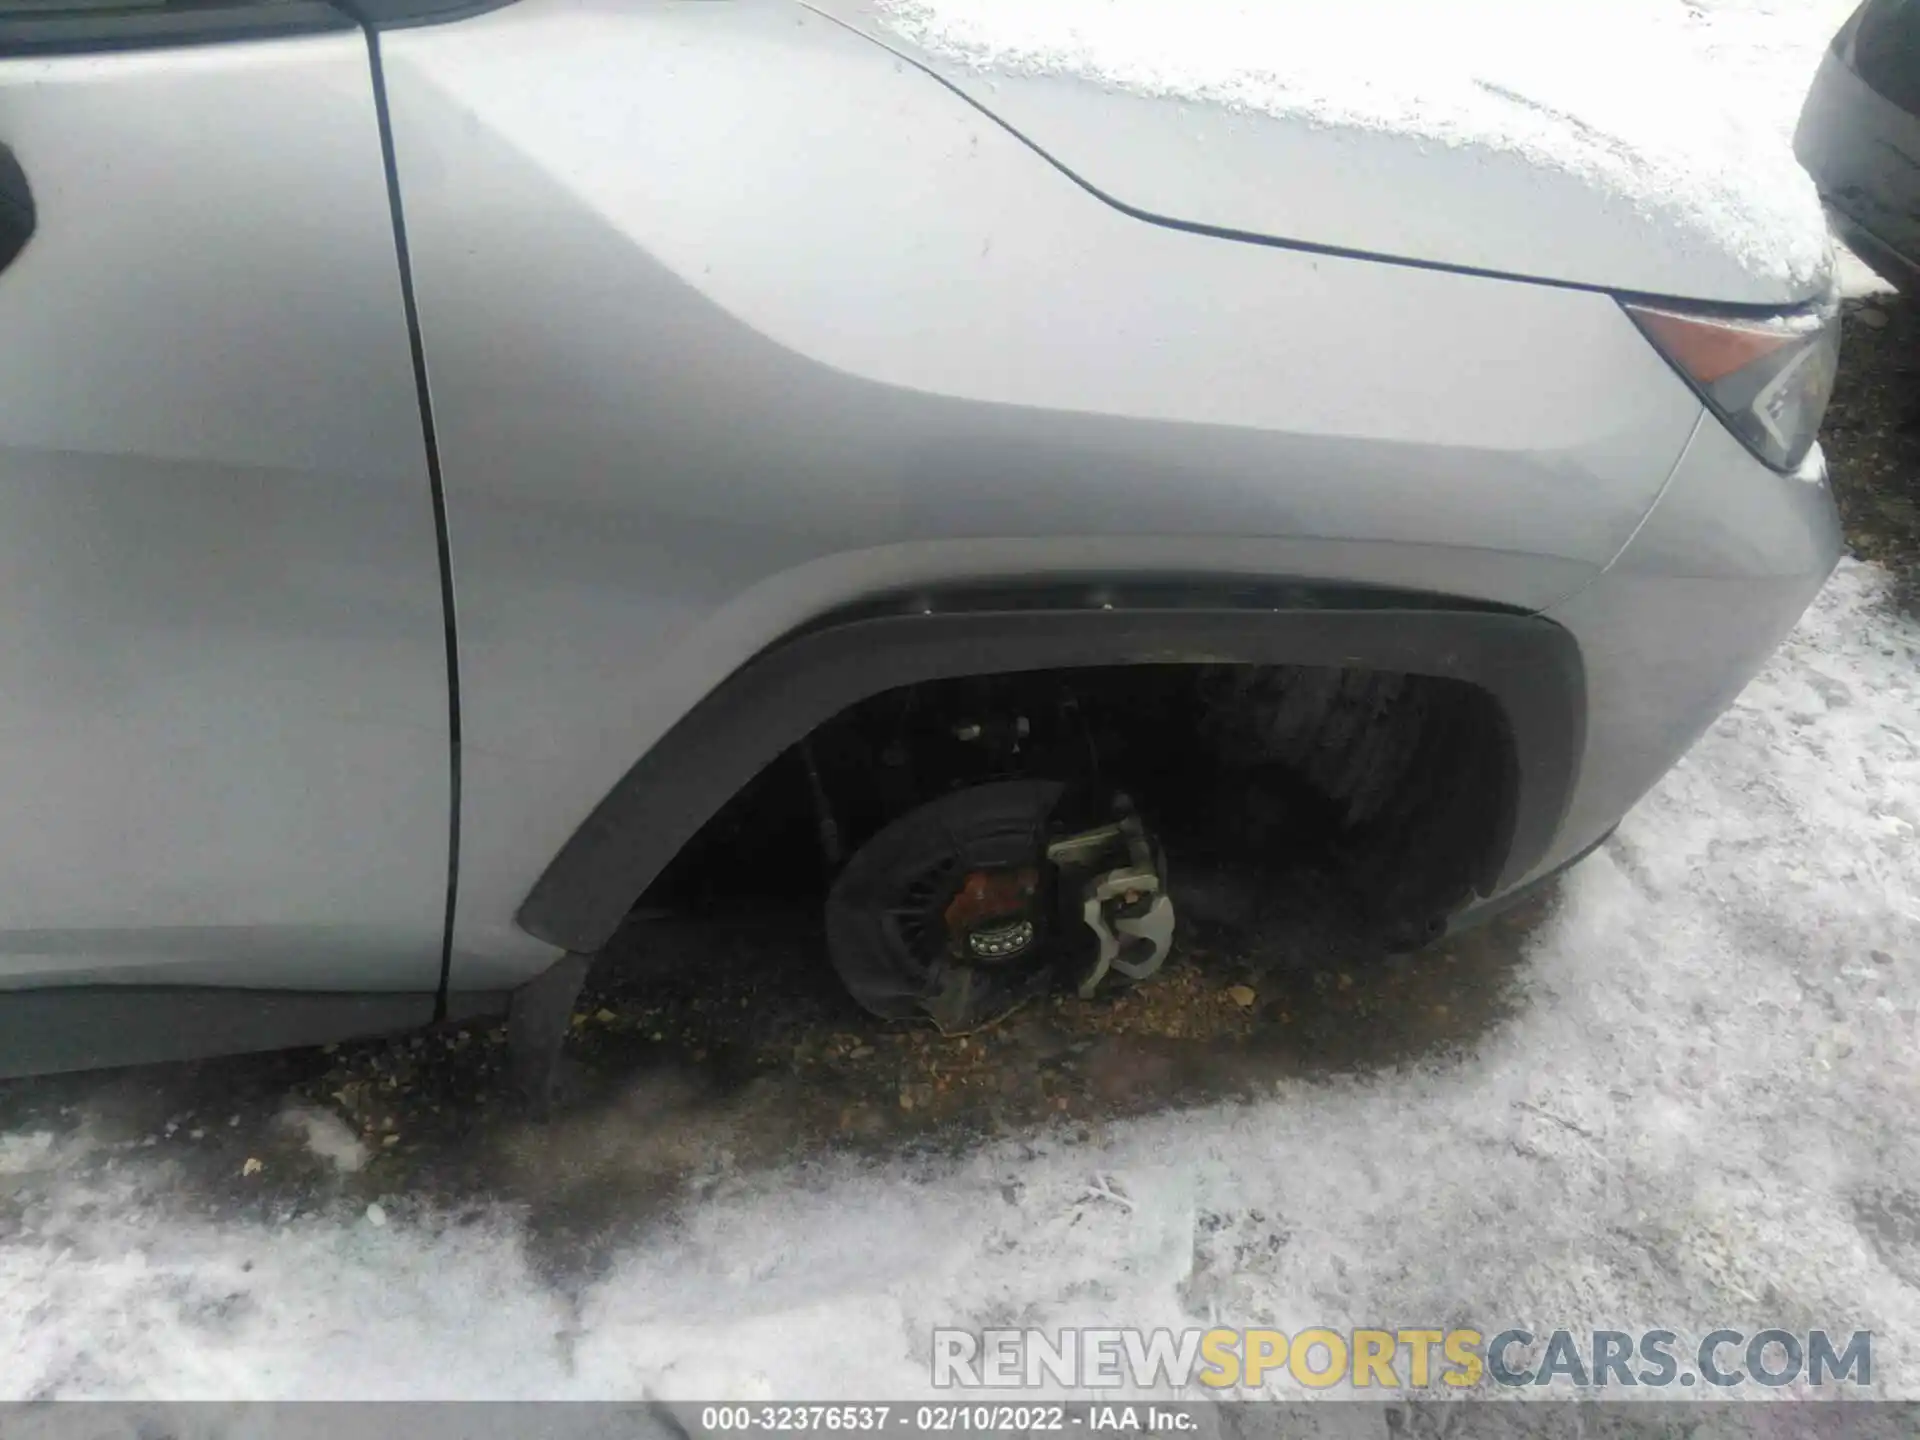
537	1020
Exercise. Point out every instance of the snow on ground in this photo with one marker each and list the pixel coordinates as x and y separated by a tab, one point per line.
1704	1112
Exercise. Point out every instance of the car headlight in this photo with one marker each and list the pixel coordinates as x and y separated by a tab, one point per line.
1769	379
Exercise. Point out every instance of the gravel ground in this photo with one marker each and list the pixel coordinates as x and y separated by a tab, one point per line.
698	1045
1872	437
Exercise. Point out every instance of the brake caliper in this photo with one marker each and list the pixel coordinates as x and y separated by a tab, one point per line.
1123	897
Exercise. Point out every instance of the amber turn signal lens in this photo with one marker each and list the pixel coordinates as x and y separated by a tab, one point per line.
1768	378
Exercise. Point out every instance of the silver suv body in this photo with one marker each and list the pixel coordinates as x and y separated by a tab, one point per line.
445	456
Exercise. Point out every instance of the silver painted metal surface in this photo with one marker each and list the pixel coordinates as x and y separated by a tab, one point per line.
1679	623
732	318
223	713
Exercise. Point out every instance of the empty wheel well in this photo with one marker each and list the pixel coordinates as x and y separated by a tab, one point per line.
1399	788
1424	752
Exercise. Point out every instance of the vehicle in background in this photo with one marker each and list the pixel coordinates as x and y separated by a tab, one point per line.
1859	136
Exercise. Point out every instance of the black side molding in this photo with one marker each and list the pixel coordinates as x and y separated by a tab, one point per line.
88	1027
92	1027
18	216
397	14
83	28
87	29
1529	665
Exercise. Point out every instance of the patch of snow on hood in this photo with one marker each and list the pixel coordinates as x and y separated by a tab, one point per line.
1622	96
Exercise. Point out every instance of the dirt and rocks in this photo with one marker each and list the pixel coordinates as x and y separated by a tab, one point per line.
703	1048
1872	436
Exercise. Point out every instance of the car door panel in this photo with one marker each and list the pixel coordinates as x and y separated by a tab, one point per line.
224	727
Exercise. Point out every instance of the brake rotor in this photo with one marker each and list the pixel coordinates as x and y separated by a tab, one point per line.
947	911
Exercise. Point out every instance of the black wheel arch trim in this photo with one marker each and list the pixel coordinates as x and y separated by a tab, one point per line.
86	30
83	29
1529	665
404	14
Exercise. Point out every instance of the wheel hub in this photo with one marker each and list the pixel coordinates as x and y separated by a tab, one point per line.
990	919
965	906
1001	942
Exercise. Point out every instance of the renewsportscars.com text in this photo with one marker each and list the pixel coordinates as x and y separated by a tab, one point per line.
1407	1358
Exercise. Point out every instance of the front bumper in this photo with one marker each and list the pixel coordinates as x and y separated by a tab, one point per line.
1863	152
1899	270
1711	582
